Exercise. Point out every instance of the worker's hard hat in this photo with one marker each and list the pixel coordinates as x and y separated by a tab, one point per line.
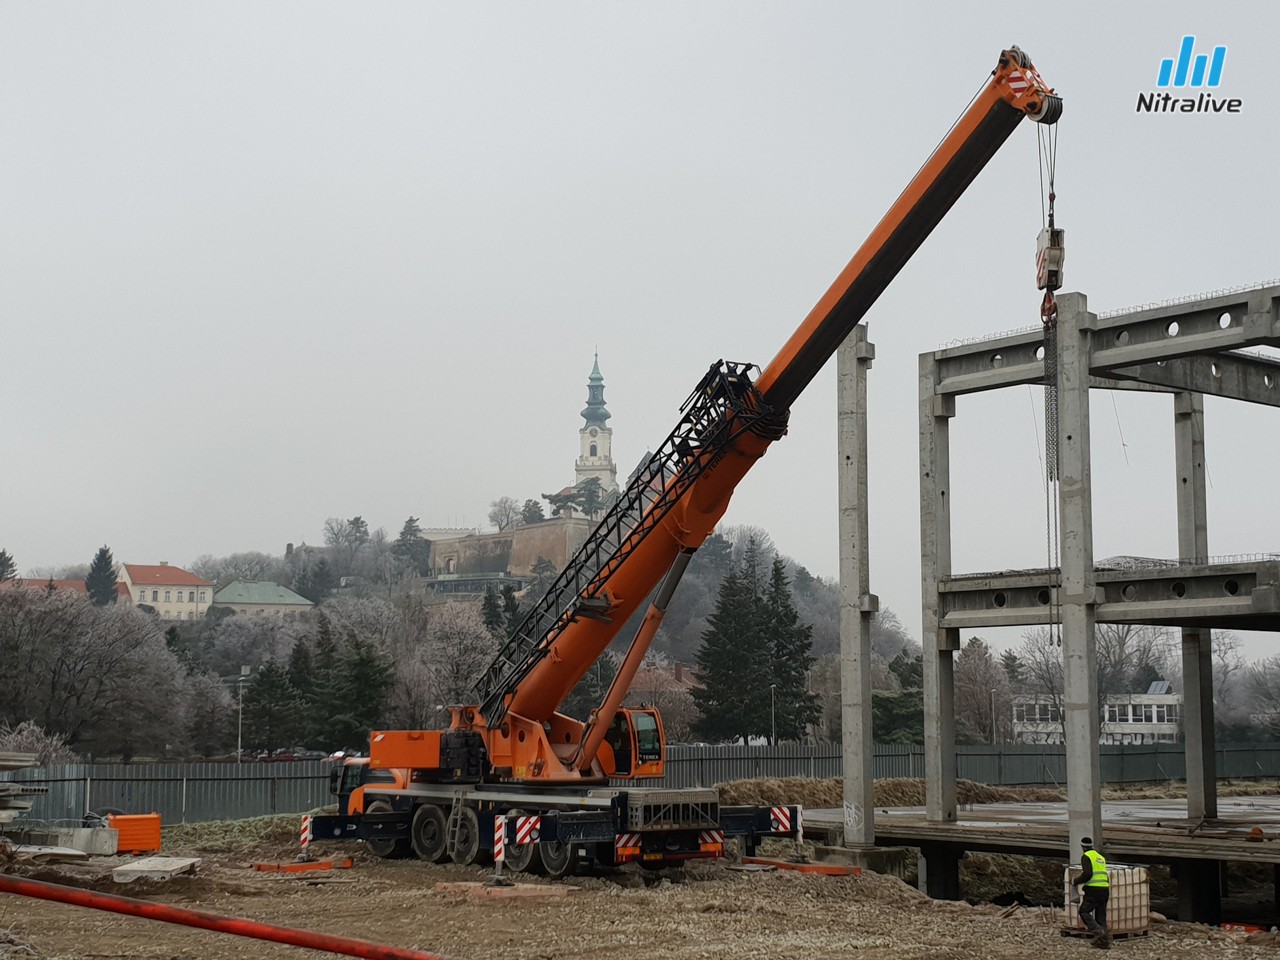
1087	842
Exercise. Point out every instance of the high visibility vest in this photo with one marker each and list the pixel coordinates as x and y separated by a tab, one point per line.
1099	876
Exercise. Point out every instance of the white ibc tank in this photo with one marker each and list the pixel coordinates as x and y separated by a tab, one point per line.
1129	907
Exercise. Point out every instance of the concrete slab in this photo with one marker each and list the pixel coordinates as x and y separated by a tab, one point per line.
40	853
154	868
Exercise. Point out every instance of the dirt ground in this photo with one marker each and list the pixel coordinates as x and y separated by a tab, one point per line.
705	911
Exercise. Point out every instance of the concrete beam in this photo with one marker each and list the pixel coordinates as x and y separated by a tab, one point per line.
1133	340
857	603
1235	376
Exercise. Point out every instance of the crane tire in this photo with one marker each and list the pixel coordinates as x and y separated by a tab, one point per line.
386	849
466	849
520	857
559	860
429	834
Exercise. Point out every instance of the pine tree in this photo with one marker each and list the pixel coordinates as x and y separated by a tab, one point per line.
412	550
511	609
494	619
273	709
793	707
366	677
8	568
302	669
326	684
100	584
734	661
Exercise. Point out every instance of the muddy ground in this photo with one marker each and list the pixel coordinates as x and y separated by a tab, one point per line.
706	911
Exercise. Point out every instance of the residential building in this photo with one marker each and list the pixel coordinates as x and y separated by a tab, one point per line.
261	598
172	592
1127	718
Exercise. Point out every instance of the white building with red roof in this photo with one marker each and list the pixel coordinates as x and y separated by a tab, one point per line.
174	593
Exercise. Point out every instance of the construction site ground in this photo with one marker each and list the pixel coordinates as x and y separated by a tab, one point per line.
703	911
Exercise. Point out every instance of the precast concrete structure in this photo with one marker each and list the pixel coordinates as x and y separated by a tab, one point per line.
1186	350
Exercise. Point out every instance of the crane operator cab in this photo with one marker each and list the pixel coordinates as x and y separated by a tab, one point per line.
637	744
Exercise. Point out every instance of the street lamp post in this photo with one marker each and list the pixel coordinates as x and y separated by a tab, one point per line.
993	717
773	715
244	676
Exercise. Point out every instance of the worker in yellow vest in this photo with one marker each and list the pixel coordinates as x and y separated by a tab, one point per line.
1097	891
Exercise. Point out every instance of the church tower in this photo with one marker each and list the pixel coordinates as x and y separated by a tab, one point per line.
595	454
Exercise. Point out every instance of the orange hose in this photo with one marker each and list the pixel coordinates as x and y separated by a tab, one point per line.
237	926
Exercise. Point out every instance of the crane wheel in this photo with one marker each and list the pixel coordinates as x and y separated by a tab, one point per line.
386	849
429	834
559	860
466	841
520	857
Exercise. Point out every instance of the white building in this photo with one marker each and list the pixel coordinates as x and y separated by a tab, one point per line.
1151	717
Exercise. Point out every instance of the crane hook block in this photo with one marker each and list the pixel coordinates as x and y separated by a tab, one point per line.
1050	252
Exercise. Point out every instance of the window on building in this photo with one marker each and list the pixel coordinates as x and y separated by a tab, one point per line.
191	596
1112	713
191	615
166	595
202	596
1148	713
593	450
1122	713
1173	713
1160	713
1020	713
155	595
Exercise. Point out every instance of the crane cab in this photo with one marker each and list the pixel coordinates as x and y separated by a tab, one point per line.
636	746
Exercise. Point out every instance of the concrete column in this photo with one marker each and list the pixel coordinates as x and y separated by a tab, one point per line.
939	871
857	603
1197	645
1078	594
935	563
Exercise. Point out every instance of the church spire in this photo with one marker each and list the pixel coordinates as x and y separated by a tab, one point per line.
595	413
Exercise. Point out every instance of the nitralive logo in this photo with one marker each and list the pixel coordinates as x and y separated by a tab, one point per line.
1190	71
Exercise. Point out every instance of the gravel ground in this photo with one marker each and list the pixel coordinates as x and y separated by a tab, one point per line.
706	911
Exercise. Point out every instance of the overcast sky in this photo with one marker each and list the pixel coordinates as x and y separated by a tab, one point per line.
263	264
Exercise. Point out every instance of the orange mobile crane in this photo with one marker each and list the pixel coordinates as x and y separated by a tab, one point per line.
512	753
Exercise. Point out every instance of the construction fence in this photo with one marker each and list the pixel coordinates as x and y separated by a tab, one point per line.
189	792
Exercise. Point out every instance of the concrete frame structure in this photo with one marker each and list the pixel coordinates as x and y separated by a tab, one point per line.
1186	349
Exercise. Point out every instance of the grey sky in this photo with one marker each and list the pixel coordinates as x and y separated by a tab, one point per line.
263	264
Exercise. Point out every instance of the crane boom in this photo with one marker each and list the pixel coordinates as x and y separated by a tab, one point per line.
675	501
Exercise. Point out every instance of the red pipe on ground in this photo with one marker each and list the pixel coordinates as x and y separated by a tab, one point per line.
207	921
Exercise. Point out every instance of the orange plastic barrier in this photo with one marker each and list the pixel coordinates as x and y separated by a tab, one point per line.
138	833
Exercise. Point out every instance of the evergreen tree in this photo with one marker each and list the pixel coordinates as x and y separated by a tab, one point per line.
531	512
511	609
326	686
909	670
8	568
364	678
734	661
302	670
357	531
1013	668
100	584
411	549
898	717
273	709
491	610
315	581
793	707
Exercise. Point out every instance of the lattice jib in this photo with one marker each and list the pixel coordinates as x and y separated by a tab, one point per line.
723	406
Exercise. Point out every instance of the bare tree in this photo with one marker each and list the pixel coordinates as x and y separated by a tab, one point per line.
656	685
983	699
506	513
459	647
